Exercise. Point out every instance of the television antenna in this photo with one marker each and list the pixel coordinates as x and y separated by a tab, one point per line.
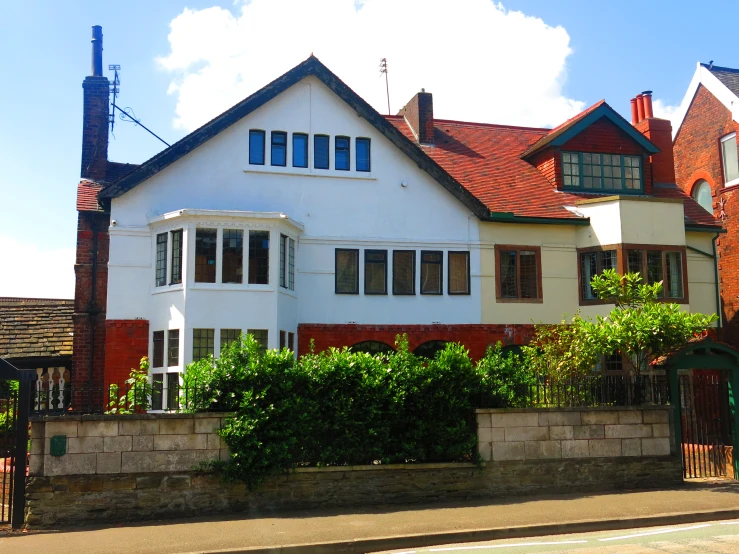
383	69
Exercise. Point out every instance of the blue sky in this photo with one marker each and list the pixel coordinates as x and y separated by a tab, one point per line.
482	62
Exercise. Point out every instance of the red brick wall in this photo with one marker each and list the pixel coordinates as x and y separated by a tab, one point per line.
419	113
126	342
95	128
659	132
698	156
476	338
89	311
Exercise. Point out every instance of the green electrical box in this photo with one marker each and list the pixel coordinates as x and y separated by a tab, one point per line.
58	445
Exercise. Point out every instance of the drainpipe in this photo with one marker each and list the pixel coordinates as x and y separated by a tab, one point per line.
92	308
714	257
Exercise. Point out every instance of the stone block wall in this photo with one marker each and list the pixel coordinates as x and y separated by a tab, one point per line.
125	444
539	434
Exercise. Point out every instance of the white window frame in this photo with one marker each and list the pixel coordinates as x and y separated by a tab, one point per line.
733	182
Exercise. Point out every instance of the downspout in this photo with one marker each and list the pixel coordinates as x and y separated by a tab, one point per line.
714	257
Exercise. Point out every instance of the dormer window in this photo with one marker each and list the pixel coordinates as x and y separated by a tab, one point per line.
601	172
730	159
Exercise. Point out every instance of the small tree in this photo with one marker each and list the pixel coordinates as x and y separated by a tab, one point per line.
640	327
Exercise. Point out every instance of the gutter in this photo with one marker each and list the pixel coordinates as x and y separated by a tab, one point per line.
509	217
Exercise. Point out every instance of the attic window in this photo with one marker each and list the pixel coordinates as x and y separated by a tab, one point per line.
601	172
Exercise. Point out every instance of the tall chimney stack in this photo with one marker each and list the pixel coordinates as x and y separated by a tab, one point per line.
419	113
659	132
95	118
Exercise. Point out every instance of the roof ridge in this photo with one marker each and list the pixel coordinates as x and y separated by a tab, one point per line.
26	300
720	68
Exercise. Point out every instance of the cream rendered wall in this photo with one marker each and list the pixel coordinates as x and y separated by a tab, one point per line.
343	209
701	273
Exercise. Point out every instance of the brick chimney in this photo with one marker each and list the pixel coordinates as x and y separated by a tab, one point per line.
419	113
659	132
95	114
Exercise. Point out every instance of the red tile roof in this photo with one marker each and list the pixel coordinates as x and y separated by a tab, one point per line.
486	160
87	196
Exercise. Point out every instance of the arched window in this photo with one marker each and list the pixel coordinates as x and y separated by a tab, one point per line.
430	348
372	347
702	195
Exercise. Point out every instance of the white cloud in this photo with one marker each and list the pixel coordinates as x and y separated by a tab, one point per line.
481	61
666	111
36	273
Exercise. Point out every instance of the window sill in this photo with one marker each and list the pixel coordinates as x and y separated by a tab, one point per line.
328	173
519	300
287	292
732	183
167	288
231	287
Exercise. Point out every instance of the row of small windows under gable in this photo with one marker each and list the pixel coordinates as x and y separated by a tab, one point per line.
602	172
232	257
279	151
403	272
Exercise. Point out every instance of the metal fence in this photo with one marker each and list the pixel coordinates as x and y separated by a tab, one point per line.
578	392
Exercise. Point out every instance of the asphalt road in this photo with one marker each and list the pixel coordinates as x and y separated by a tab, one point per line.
711	537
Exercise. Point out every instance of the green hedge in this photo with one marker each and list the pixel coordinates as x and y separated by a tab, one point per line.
344	408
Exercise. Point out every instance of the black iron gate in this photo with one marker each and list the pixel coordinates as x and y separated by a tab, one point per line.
15	404
706	424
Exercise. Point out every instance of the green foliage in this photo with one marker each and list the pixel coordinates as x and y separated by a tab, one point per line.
339	407
640	327
506	377
137	395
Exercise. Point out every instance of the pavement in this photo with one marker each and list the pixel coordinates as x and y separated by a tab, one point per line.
395	527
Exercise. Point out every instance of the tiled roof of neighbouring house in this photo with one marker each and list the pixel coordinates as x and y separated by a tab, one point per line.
728	76
35	327
87	196
486	160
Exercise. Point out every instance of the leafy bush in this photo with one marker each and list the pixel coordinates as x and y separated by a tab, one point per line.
507	378
339	407
136	398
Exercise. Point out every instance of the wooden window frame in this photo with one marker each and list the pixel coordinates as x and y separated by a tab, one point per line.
621	267
160	267
581	187
336	271
440	263
306	151
177	256
173	335
328	152
263	135
272	145
348	152
203	334
362	140
413	273
449	273
157	353
367	261
539	289
225	341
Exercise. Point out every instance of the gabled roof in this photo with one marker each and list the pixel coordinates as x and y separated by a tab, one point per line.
722	82
487	159
310	67
35	328
575	125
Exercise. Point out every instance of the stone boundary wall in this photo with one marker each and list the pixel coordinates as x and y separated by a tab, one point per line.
128	444
541	434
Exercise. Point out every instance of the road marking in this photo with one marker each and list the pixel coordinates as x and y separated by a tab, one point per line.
729	523
662	532
406	552
505	545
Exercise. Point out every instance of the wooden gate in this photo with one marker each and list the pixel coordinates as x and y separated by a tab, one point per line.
15	404
707	442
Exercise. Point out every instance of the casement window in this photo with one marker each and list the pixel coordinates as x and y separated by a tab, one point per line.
592	264
291	341
203	343
612	363
601	172
657	265
363	155
261	336
173	391
347	271
157	391
228	337
279	148
256	147
283	339
321	152
287	262
342	153
157	358
404	272
161	264
300	150
375	272
232	270
431	272
730	159
518	275
702	194
173	347
258	257
176	277
205	255
459	273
